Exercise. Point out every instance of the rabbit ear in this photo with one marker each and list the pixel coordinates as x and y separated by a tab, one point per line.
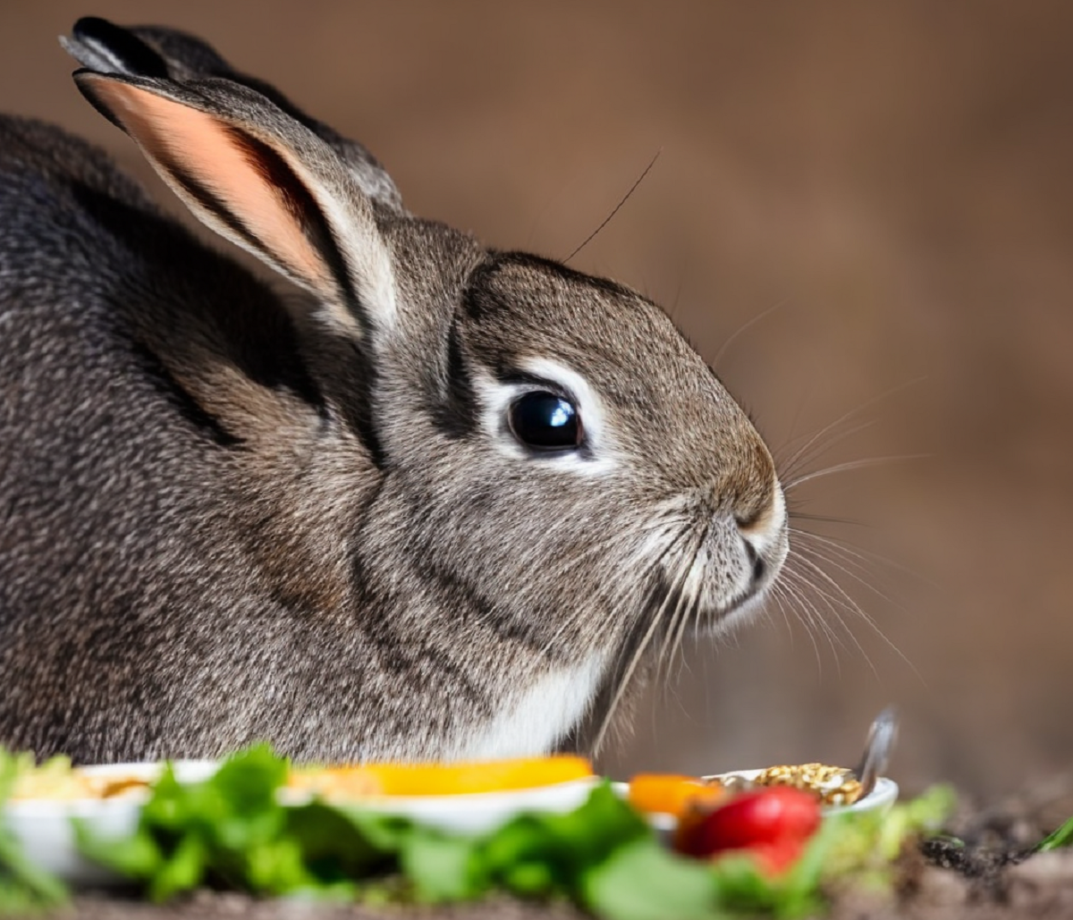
155	51
261	180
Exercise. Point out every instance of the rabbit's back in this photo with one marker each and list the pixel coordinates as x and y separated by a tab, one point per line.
85	414
127	549
77	387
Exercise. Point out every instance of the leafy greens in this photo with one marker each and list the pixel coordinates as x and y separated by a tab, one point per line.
232	831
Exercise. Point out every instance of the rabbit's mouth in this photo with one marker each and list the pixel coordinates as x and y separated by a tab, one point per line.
724	576
738	611
699	609
765	569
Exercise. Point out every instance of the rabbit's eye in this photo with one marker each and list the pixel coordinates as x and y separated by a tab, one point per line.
544	421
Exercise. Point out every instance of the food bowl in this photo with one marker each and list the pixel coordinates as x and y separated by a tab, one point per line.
44	826
881	798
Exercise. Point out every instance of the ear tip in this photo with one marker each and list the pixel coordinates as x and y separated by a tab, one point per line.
90	26
101	45
90	83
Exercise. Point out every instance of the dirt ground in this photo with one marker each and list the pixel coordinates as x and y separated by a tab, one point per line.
993	881
1037	889
991	889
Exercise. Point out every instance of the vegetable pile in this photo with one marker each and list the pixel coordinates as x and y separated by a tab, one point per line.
761	851
773	826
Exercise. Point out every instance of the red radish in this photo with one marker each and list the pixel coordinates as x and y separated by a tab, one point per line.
773	823
774	858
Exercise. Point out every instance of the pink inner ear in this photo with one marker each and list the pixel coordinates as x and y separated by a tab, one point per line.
205	150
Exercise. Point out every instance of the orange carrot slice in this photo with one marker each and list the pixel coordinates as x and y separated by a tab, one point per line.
670	793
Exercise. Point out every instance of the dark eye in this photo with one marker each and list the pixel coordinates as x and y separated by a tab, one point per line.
544	421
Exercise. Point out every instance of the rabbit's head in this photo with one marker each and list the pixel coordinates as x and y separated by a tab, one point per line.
549	458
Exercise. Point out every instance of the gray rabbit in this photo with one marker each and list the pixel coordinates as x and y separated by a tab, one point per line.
449	503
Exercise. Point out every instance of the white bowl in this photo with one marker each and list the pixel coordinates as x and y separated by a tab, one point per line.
44	829
882	797
43	826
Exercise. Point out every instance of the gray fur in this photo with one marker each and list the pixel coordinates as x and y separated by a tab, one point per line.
223	519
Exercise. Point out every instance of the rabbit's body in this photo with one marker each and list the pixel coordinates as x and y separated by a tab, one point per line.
335	524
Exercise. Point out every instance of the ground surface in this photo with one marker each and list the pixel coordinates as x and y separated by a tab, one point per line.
1038	888
991	876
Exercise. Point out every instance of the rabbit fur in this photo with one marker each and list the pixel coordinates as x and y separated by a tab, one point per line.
229	514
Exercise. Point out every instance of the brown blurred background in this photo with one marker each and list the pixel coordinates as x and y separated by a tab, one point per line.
894	179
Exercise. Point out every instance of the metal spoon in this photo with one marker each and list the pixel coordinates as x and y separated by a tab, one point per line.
877	749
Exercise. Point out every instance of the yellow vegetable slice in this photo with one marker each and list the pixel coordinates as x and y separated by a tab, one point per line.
365	780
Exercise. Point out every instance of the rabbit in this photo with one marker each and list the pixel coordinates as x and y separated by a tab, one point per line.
433	501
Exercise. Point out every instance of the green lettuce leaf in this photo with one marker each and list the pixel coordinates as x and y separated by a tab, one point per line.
231	830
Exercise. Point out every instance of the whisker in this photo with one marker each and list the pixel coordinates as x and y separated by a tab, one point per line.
583	559
809	589
618	207
799	605
691	625
810	626
823	519
790	467
846	602
624	680
668	634
741	330
783	595
853	413
681	609
863	555
810	617
832	604
683	272
633	530
691	608
667	686
851	465
854	607
818	552
845	599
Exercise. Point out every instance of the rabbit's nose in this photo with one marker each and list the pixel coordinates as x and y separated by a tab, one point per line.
763	532
759	516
